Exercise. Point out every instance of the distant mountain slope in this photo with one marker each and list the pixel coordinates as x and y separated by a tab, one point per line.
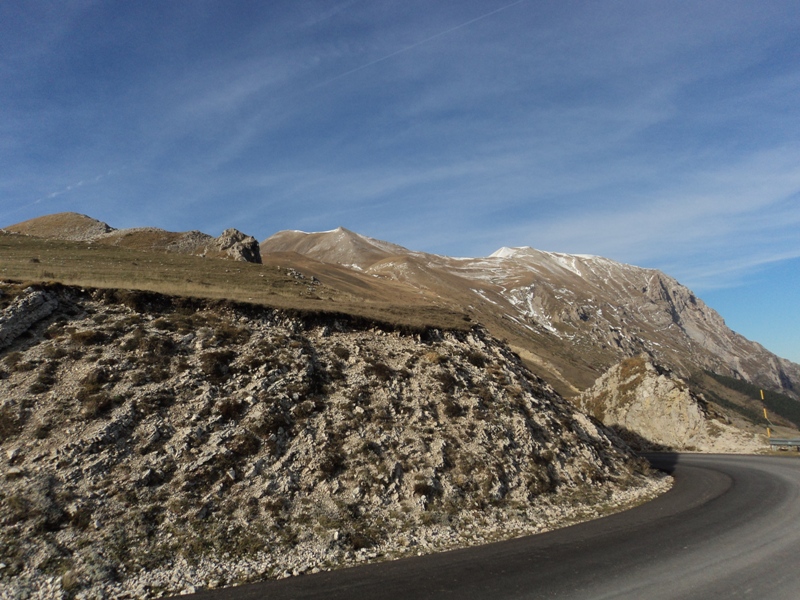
340	246
75	227
571	316
62	226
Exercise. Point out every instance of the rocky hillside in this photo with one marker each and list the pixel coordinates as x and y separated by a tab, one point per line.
156	444
570	317
231	244
652	409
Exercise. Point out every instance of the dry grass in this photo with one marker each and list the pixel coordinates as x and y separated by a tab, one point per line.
61	226
31	259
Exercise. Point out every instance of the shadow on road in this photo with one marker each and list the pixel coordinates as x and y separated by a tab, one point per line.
663	461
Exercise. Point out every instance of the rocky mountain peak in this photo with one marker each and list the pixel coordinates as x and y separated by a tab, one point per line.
339	246
506	252
594	309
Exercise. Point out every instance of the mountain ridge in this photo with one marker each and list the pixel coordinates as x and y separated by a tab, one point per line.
70	226
581	300
571	317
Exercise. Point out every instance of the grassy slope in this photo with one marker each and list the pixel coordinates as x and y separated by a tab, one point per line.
25	258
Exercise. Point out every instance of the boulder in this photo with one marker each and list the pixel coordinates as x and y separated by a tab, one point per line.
239	246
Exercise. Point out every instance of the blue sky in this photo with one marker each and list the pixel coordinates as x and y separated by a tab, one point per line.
661	134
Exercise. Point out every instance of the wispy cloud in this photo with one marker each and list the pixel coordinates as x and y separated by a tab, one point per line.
426	40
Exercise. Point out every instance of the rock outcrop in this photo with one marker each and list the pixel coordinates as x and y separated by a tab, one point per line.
239	246
30	308
157	443
652	409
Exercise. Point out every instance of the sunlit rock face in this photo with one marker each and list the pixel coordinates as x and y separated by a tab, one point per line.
652	409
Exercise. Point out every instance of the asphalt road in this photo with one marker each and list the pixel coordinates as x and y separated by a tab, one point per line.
729	528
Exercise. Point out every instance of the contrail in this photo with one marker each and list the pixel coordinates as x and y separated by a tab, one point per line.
52	195
425	41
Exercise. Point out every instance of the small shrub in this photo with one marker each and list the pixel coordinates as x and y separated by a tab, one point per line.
272	420
39	387
452	408
476	359
373	447
226	333
447	381
138	378
13	359
216	365
158	374
229	408
434	358
163	324
55	329
360	540
157	350
244	443
88	337
42	430
24	366
70	581
251	362
342	352
10	423
379	370
19	508
306	408
54	352
332	462
94	381
427	489
336	371
128	345
160	399
46	378
95	404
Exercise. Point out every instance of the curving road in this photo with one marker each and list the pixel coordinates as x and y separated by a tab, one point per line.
729	528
